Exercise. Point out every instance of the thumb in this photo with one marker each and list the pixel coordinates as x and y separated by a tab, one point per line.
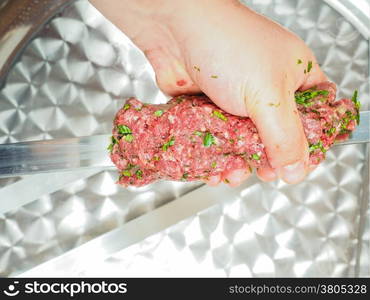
281	131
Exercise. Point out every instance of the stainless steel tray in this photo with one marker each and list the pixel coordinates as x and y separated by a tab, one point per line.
69	81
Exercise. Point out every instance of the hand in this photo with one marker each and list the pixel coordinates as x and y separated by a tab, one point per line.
247	64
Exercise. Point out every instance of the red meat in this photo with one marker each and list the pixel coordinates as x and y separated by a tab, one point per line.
190	138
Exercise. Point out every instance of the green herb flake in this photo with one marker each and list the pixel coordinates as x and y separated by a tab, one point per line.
166	145
226	180
355	100
156	158
304	97
126	133
126	173
219	115
123	129
331	131
255	156
158	113
139	174
130	166
357	106
126	106
299	61
197	68
179	99
214	164
214	76
129	138
198	133
309	66
347	120
185	176
208	140
113	142
231	141
318	145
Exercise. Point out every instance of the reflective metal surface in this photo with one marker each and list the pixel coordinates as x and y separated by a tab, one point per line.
54	155
67	83
362	132
19	21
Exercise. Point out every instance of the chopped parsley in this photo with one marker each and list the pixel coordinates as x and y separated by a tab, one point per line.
357	106
166	145
123	129
126	173
158	113
156	158
114	141
219	115
139	174
226	180
299	61
126	106
198	133
318	145
179	99
184	176
197	68
214	76
331	131
126	132
347	120
209	140
355	100
214	164
309	66
255	156
304	97
129	138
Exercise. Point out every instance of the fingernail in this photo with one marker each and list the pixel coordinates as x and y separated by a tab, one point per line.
293	173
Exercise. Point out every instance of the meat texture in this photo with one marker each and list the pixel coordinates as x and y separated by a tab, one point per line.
190	138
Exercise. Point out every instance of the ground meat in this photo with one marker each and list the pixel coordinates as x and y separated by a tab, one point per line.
190	138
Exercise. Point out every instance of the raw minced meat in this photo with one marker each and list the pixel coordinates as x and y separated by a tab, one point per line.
190	138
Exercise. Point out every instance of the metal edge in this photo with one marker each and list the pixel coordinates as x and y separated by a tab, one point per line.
22	20
132	232
351	10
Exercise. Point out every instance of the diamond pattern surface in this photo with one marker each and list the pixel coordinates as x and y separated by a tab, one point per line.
68	82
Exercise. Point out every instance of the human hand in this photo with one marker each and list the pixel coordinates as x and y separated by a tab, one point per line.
247	64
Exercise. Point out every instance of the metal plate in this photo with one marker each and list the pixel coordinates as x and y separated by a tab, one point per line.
68	82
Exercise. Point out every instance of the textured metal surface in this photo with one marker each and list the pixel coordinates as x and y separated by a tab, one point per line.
19	21
54	155
66	84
